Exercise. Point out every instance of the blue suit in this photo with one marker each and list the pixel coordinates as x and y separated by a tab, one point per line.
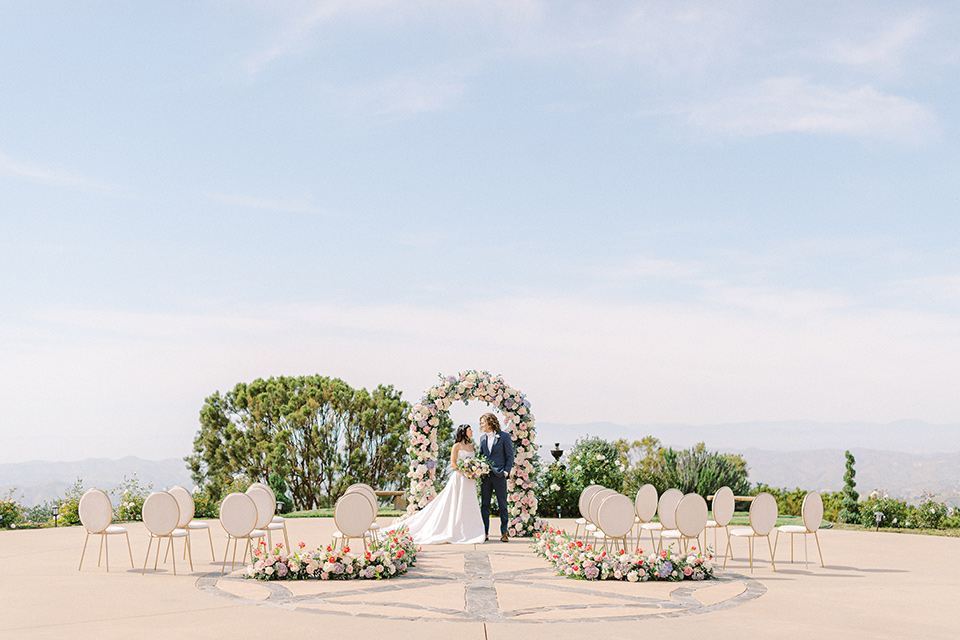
500	457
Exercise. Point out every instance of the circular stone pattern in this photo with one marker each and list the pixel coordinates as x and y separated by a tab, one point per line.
503	586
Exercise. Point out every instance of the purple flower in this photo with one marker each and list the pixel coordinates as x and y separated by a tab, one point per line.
591	572
431	464
665	569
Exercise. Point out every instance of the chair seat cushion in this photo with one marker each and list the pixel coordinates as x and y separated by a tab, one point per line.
651	526
193	524
113	529
257	533
743	533
581	521
710	524
278	519
671	534
275	526
591	527
792	528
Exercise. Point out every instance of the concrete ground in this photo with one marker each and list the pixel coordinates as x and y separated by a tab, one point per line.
876	585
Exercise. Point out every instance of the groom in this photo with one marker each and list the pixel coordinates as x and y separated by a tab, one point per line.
498	448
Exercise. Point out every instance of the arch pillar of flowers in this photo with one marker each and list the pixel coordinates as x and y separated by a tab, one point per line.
519	422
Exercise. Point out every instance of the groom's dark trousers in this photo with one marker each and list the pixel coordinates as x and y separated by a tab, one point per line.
490	483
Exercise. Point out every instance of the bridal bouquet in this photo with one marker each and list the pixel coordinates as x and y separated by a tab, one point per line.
473	467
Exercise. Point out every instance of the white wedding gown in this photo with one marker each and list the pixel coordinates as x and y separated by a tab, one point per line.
453	517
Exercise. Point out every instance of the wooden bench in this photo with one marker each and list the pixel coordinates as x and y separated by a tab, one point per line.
399	502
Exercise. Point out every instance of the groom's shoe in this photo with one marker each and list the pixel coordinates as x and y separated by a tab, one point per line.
504	538
485	537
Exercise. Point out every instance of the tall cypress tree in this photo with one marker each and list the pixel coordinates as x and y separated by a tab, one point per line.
850	510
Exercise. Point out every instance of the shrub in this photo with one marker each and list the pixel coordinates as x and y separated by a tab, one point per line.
850	511
70	504
279	487
554	491
204	506
11	513
894	512
39	514
128	498
929	514
700	471
595	461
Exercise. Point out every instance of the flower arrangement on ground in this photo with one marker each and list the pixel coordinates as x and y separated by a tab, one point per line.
576	559
473	467
515	409
387	558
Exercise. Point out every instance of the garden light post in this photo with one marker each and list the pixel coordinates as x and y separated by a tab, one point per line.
557	452
56	513
879	516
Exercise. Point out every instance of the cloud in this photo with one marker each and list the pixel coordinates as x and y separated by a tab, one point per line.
885	46
56	177
402	95
266	204
789	104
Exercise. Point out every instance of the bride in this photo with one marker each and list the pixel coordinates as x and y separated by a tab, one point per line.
454	515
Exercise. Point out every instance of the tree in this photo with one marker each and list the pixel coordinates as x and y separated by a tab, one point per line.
850	511
316	433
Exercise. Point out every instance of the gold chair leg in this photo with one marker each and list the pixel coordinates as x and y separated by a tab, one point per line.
106	551
100	555
129	550
772	561
815	537
147	558
791	548
173	554
82	553
750	545
156	558
286	540
190	552
210	535
225	551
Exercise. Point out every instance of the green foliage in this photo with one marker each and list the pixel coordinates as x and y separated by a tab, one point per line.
553	491
284	504
70	504
39	514
894	512
790	501
930	514
850	511
700	471
204	506
11	513
594	460
128	498
647	464
316	433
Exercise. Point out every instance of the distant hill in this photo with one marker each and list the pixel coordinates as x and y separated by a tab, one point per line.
41	481
907	436
902	475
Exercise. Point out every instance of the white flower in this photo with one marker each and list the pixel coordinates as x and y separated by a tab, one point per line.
600	456
554	487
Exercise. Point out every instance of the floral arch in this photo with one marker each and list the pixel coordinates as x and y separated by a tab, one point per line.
515	409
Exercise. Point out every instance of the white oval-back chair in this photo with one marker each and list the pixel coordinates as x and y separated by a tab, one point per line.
96	514
690	517
592	508
812	513
238	517
353	514
161	517
187	511
615	520
277	519
667	512
583	504
266	510
371	495
645	505
763	519
723	505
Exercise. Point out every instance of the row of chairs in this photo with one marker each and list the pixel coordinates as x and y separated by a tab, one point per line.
683	518
170	515
355	516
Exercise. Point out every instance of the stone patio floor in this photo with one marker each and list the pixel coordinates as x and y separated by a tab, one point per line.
876	585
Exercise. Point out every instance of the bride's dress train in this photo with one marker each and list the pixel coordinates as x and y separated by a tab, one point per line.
452	517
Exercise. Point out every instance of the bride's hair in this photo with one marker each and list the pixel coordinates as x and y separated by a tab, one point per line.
461	434
491	421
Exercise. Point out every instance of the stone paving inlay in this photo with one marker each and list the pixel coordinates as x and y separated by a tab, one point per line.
529	594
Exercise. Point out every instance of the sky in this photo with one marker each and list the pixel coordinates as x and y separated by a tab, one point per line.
636	212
